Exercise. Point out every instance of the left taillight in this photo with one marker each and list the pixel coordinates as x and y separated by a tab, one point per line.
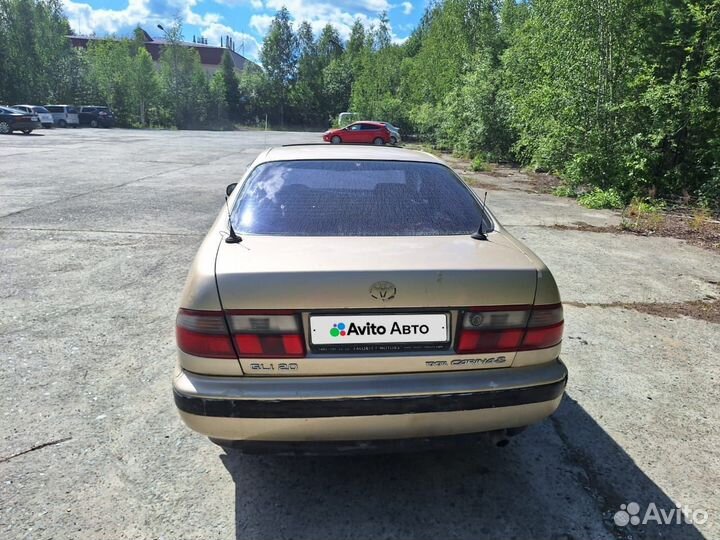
203	333
267	334
251	334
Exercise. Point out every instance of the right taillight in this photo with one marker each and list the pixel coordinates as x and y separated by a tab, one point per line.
545	327
506	329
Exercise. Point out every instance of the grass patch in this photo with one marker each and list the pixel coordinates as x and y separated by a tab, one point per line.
601	198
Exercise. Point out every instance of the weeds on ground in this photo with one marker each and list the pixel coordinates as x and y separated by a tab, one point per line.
601	198
643	215
700	219
564	190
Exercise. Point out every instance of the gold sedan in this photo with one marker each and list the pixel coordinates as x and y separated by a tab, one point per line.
363	299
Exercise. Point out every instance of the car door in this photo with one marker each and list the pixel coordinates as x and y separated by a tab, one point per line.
370	133
85	114
354	133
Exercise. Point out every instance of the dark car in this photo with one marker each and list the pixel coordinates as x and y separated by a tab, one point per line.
359	133
95	116
16	120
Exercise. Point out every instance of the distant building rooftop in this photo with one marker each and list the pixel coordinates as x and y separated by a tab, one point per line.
210	55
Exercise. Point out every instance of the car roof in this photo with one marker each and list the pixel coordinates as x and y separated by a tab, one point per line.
344	152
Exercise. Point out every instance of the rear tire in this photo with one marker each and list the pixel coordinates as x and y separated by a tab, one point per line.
393	140
336	140
5	128
378	141
62	123
93	123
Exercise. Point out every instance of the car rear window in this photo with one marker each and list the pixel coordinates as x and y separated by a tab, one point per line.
355	198
72	110
41	110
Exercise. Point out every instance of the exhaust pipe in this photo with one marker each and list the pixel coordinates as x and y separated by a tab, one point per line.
499	438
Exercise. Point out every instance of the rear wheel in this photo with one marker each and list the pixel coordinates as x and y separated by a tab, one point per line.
336	140
62	123
93	123
378	141
5	128
393	140
27	131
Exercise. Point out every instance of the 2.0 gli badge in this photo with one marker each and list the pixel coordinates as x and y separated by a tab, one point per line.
383	291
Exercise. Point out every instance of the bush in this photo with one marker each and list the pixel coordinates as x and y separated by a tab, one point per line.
479	164
601	198
565	190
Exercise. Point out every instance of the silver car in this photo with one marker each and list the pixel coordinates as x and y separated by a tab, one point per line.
363	299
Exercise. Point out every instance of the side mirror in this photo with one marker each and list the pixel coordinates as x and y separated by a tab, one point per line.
230	188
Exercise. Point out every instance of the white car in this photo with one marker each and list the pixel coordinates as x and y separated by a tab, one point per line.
64	115
46	119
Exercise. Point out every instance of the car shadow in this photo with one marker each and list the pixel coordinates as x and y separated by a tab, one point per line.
564	478
28	135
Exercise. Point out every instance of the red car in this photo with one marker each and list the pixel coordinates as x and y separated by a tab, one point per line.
359	133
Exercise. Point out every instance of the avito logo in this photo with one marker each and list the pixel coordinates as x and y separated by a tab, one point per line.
370	329
338	329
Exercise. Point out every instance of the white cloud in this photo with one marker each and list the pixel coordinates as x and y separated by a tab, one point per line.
84	19
318	14
245	44
407	8
260	23
255	4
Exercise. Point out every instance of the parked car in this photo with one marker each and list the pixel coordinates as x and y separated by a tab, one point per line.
64	115
394	132
46	119
363	299
17	120
359	133
95	116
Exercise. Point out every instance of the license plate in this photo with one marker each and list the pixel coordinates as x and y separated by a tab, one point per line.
360	329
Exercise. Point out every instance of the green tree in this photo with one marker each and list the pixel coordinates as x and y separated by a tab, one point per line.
279	58
382	36
33	49
330	46
231	87
183	81
145	84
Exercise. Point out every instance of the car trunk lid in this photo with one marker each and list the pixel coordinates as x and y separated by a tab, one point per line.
330	283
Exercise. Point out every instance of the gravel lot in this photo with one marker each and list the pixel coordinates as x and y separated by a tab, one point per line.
97	231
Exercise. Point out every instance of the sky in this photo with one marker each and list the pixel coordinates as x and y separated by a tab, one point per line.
246	21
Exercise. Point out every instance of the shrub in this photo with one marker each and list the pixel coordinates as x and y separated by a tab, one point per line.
601	198
479	164
564	190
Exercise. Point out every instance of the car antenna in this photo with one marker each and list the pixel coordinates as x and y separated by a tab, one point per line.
480	233
232	237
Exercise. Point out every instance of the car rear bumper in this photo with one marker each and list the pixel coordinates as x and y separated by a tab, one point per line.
367	408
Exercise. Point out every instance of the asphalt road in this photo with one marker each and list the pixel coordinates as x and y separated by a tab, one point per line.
97	231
